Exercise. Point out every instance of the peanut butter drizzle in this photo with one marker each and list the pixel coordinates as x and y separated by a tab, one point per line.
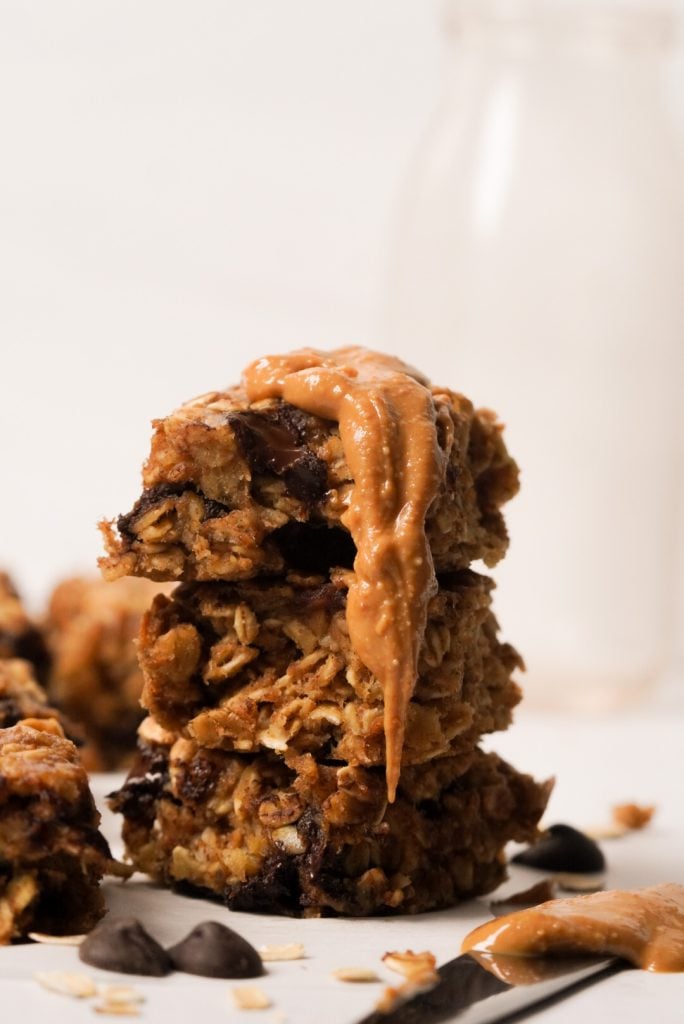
387	426
644	926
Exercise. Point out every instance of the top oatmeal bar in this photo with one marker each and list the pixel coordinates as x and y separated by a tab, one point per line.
234	489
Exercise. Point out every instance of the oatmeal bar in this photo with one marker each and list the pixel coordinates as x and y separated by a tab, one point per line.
19	635
91	627
52	855
299	837
233	489
269	664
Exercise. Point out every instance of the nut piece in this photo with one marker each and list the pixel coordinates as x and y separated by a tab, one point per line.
249	997
67	983
360	974
289	951
633	816
418	968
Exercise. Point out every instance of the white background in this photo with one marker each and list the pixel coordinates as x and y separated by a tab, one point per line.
183	186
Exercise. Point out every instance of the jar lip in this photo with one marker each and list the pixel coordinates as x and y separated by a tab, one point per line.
651	22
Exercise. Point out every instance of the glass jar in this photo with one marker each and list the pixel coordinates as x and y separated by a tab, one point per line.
538	266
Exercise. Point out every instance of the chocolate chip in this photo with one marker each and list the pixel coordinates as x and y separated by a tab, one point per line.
563	848
215	951
122	944
273	441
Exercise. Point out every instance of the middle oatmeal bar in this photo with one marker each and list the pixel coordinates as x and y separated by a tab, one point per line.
234	489
269	664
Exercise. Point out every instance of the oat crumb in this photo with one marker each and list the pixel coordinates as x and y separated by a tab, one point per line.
418	968
355	974
117	1009
249	997
121	994
56	940
67	983
633	816
288	951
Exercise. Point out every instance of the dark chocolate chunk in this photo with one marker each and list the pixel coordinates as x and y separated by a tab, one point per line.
273	441
122	944
137	798
563	848
215	951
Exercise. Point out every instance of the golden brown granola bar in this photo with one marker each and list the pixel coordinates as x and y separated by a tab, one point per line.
299	837
90	628
233	490
269	664
52	855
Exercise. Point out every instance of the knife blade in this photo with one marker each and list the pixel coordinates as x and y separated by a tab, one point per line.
469	993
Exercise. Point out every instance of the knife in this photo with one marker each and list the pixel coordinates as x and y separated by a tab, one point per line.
469	993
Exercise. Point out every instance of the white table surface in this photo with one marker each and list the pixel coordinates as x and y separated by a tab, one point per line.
597	762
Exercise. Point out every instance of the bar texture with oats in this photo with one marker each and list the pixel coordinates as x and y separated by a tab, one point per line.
235	489
293	835
269	665
90	629
52	856
318	683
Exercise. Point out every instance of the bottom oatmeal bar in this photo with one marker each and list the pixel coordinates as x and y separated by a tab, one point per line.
297	837
52	855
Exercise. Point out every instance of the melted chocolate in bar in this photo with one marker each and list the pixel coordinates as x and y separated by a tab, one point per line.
273	441
154	495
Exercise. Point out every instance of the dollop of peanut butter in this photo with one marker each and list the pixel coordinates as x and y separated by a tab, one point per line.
644	926
386	417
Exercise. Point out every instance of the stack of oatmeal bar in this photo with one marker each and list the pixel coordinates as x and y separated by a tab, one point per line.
260	775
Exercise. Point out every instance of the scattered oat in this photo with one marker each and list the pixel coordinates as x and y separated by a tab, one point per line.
576	882
607	832
393	997
249	997
56	940
418	968
117	1009
633	816
356	974
289	951
121	994
67	983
